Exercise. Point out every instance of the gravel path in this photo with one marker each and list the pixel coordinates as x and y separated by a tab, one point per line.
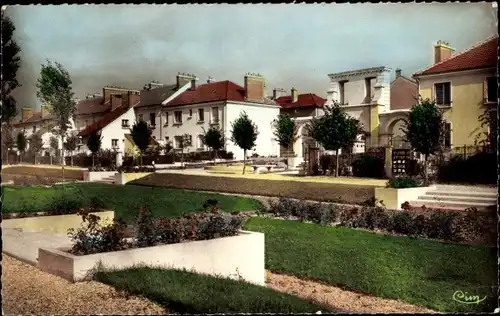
338	299
27	290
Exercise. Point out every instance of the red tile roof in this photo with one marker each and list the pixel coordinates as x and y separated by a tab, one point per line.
92	106
212	92
303	100
482	55
106	120
403	93
35	118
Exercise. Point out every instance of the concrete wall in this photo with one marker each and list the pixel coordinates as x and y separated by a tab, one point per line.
393	198
233	257
57	224
262	116
467	94
123	178
97	175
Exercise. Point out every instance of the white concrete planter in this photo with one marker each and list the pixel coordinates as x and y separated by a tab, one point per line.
97	175
393	198
236	257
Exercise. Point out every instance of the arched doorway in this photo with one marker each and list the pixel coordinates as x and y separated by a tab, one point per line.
395	130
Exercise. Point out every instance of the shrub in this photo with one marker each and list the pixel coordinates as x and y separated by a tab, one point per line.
402	183
368	166
65	204
145	233
376	218
442	225
402	223
93	238
327	162
480	168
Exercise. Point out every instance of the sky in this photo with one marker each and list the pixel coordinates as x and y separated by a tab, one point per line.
291	45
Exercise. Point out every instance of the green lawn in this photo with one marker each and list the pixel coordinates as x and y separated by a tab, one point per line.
126	200
185	292
420	272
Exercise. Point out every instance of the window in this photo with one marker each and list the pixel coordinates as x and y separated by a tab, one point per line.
201	115
443	93
178	142
190	112
125	123
199	142
447	134
492	89
178	117
114	143
141	117
215	115
368	90
34	129
166	118
342	92
152	119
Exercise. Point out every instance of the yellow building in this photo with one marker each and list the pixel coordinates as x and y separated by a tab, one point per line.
464	85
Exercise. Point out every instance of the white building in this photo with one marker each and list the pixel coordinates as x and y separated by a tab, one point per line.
221	103
364	94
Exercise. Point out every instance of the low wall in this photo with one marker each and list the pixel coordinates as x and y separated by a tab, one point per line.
58	224
393	198
324	192
123	178
97	175
235	257
55	172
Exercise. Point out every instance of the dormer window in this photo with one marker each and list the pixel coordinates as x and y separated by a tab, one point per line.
368	89
342	99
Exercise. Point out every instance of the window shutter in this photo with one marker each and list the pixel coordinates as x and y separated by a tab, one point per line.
447	93
439	93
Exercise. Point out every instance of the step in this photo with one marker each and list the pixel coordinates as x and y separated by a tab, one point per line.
459	198
463	204
471	194
466	188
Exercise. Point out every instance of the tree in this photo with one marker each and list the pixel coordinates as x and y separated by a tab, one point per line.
183	142
10	66
487	136
285	130
244	134
54	88
214	139
94	143
36	144
71	144
424	130
7	141
21	143
141	134
334	130
54	145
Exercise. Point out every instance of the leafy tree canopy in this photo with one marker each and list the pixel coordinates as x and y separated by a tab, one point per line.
141	134
285	130
10	66
214	138
94	142
244	132
21	142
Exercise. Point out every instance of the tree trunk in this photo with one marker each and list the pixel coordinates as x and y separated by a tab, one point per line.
71	159
182	157
426	174
93	160
50	159
244	160
337	163
141	158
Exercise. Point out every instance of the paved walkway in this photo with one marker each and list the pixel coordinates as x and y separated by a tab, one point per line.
23	245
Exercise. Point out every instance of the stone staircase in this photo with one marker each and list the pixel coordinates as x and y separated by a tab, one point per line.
458	197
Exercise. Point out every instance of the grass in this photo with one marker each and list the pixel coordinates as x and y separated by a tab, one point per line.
125	200
185	292
420	272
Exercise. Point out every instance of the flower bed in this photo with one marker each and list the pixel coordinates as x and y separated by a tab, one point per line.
209	243
467	227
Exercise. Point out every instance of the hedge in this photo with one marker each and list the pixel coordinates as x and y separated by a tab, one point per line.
325	192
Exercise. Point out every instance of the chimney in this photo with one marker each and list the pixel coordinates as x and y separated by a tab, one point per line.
131	98
210	80
183	79
254	87
295	95
45	111
116	101
27	114
442	51
278	92
398	73
193	84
